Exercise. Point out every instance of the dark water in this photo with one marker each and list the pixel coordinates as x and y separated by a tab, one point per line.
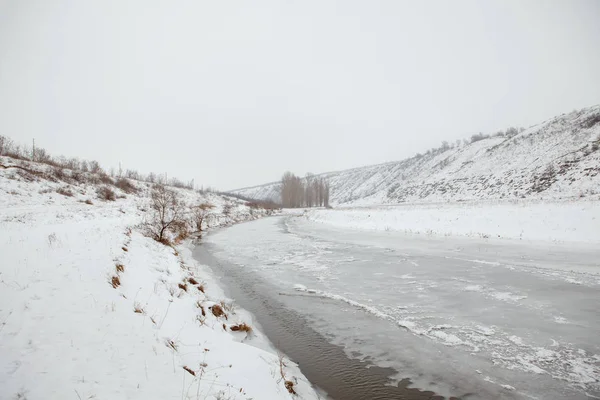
325	364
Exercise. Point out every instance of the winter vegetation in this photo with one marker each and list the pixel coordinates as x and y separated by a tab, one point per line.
311	191
19	152
556	159
101	297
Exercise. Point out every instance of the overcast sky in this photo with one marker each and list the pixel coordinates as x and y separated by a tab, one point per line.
233	93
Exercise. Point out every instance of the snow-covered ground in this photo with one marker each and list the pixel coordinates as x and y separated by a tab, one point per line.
567	221
92	309
468	317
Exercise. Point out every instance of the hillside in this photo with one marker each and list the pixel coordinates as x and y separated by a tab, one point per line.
93	306
556	159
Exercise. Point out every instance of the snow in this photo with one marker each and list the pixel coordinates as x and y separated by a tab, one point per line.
556	159
67	333
567	221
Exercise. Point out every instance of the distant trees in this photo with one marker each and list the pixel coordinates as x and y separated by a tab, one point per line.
311	191
478	136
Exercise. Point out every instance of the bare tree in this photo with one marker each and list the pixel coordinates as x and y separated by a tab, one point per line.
95	167
200	216
167	213
5	145
308	192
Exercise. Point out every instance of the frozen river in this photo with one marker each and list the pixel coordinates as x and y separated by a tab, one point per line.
460	317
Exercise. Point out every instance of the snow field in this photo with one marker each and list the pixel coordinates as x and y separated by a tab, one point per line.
574	221
68	330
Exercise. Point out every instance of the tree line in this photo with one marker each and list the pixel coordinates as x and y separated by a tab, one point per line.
310	191
37	154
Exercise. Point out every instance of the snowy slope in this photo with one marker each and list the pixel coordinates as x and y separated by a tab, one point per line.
556	159
67	331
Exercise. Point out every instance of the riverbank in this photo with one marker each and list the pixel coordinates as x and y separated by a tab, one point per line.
92	308
567	221
325	364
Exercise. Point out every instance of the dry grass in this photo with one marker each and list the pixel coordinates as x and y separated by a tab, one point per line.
138	309
65	191
171	344
58	173
105	193
89	202
115	281
124	248
165	241
126	186
289	385
228	307
192	280
120	268
243	327
201	288
183	286
190	370
217	311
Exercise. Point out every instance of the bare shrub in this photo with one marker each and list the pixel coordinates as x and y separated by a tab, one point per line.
78	177
227	209
104	178
59	173
105	193
88	201
126	186
95	167
166	213
200	215
181	231
65	191
120	267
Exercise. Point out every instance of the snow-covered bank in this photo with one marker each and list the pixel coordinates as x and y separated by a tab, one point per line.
573	221
91	308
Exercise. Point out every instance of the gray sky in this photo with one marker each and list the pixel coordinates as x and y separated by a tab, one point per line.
232	93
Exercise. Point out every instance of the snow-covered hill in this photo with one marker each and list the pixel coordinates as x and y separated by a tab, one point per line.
556	159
